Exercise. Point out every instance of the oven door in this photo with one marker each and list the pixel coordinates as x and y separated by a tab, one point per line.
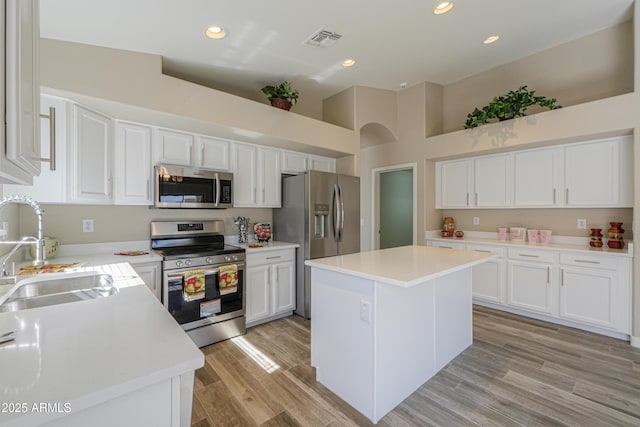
212	308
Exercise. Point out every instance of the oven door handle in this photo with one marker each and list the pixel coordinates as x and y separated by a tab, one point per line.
181	273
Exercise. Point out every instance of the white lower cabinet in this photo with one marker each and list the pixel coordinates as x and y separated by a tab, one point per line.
150	275
270	282
595	290
488	277
583	289
530	286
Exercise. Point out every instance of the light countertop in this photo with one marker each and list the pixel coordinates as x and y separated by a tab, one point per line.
270	246
404	266
574	244
86	352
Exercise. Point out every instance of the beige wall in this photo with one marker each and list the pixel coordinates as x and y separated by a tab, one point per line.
593	67
131	86
122	223
340	109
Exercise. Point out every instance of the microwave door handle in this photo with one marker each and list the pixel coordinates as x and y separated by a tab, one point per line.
217	178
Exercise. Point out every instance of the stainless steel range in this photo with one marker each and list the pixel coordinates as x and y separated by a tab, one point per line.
203	283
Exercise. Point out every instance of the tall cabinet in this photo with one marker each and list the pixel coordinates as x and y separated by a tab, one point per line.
19	91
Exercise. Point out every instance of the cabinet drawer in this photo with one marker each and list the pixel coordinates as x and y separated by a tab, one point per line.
587	260
268	257
447	245
485	248
526	254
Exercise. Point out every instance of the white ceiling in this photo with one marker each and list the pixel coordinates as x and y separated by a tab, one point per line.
392	41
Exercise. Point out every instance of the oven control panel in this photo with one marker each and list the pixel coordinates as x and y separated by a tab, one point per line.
173	264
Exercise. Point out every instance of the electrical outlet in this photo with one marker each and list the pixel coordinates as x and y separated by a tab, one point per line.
582	223
87	226
476	220
365	311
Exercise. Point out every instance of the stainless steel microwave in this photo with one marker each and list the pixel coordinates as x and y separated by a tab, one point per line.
191	188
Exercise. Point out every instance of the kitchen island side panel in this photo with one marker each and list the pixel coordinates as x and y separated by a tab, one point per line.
453	315
342	346
404	338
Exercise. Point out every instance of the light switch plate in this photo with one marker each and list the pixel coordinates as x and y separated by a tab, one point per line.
365	311
476	220
582	223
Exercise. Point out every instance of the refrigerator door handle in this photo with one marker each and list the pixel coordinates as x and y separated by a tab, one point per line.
341	230
335	214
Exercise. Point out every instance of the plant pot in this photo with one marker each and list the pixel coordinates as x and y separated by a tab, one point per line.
509	117
281	103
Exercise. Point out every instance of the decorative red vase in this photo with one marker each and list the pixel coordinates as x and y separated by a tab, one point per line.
281	103
615	236
596	238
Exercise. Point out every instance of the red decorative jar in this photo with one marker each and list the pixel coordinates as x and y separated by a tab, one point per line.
596	238
615	236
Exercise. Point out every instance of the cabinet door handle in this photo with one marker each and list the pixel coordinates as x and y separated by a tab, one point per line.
445	247
52	138
566	196
148	189
554	196
562	280
476	199
529	255
548	275
482	250
467	199
274	257
586	261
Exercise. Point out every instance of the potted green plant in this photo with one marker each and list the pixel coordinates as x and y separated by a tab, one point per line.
513	104
281	95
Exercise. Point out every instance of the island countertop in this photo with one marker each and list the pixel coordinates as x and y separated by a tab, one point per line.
82	353
403	266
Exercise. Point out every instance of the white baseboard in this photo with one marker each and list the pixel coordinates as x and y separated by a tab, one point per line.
635	341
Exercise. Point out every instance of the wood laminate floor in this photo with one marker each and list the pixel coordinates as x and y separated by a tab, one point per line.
518	372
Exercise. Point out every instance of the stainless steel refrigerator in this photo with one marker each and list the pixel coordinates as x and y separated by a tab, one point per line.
321	212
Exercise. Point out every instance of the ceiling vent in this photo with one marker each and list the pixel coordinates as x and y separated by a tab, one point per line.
322	38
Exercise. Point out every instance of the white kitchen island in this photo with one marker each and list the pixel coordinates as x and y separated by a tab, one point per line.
386	321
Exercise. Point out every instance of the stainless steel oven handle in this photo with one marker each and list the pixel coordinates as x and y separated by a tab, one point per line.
181	272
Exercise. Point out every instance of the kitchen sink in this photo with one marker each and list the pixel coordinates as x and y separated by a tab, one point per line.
40	291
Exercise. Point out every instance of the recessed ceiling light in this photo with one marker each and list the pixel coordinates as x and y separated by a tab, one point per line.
348	62
490	39
215	32
443	7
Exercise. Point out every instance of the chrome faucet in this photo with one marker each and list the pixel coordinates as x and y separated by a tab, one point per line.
38	241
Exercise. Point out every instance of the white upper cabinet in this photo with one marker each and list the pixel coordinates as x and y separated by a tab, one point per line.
133	169
245	175
174	148
599	173
587	175
256	176
270	181
322	164
454	184
293	163
537	177
90	157
493	180
213	153
19	91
